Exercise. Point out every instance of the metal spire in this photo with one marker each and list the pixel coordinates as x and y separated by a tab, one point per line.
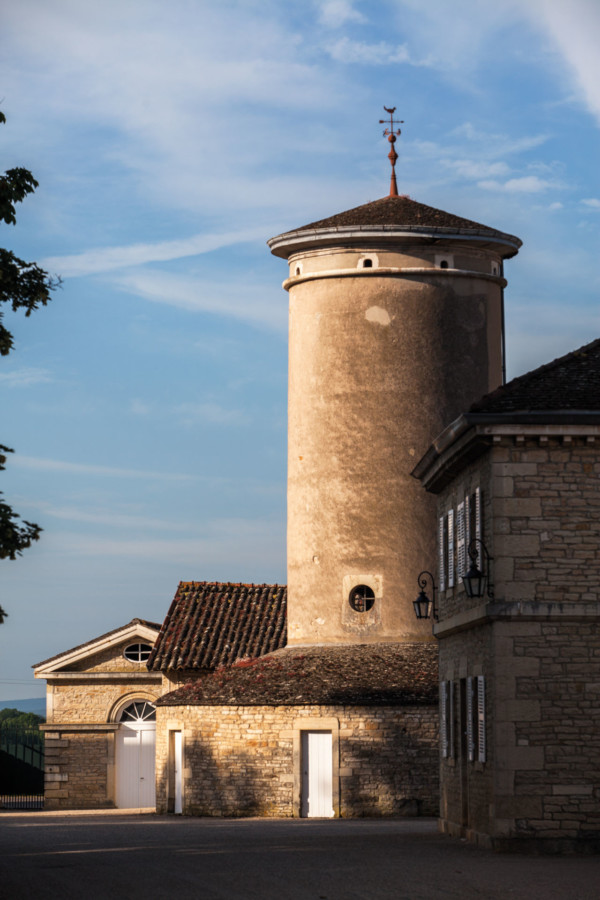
390	134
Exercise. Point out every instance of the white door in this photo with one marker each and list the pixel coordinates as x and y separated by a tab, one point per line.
135	752
177	764
317	774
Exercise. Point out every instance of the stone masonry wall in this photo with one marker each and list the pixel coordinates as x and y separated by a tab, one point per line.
76	770
241	761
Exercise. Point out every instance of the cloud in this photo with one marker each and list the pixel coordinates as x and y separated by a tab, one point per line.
574	28
25	377
335	13
528	184
71	468
110	517
213	413
382	54
248	301
476	169
106	259
591	203
556	205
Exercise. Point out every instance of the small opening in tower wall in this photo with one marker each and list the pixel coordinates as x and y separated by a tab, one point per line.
444	264
298	270
362	598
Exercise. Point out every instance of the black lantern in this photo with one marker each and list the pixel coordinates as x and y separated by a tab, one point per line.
424	607
475	581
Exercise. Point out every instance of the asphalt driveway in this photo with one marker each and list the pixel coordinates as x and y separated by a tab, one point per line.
101	856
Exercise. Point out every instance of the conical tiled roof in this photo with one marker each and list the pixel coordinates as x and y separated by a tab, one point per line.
387	218
400	212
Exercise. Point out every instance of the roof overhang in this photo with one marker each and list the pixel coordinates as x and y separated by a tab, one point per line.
472	434
131	631
285	245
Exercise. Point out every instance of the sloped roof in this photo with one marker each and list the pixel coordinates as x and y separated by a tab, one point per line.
357	674
571	382
400	212
212	624
98	640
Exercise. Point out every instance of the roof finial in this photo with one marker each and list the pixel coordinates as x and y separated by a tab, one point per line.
392	155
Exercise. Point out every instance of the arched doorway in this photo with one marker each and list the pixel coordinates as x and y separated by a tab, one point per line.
135	749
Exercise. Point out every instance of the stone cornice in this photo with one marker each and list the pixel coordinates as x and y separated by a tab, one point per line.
517	611
99	676
392	272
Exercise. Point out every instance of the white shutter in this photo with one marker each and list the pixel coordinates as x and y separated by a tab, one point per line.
460	541
481	718
444	718
450	548
470	717
468	535
450	717
478	514
441	555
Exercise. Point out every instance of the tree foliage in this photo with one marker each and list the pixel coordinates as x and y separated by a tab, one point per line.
19	719
23	285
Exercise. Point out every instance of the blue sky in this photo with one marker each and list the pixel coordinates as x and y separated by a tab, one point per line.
147	402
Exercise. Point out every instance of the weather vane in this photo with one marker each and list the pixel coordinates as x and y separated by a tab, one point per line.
390	134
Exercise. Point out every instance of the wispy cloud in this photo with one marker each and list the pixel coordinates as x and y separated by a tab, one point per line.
336	13
591	203
24	377
106	259
527	184
251	302
211	413
71	468
346	50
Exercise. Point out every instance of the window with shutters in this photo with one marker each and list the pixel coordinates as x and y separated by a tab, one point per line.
450	529
446	562
475	716
447	719
460	542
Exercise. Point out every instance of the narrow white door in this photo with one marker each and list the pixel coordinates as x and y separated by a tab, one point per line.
177	765
134	757
317	774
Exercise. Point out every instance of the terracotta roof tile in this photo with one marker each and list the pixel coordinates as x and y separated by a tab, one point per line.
363	674
211	624
401	212
571	382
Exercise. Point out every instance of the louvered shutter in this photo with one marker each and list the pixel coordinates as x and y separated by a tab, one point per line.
444	718
478	513
468	535
450	716
481	746
460	542
470	717
441	555
450	548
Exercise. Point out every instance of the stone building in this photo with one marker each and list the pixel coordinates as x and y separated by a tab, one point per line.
335	713
520	665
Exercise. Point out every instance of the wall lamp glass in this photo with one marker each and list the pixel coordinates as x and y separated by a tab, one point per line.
476	582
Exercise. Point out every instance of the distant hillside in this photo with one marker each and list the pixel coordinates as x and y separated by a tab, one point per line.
35	705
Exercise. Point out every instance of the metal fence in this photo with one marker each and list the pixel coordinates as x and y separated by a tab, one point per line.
26	744
21	801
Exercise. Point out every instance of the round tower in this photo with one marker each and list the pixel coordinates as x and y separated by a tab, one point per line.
396	327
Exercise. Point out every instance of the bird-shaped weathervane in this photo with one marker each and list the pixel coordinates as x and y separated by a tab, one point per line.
390	134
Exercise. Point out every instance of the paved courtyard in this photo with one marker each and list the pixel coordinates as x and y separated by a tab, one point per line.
101	856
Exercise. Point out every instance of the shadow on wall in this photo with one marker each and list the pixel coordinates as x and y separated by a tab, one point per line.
391	774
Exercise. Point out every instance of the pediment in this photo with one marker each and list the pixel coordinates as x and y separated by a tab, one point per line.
104	653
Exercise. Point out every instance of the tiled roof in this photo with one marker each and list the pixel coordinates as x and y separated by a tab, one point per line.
96	640
358	674
212	624
569	383
401	212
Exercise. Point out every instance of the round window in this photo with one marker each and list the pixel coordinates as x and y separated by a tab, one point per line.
137	652
362	598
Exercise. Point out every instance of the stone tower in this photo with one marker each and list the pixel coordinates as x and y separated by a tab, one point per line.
396	327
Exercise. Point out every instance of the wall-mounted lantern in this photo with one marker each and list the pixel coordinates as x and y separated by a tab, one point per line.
475	581
425	607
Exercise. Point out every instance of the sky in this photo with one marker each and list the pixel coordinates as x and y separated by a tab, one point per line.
147	403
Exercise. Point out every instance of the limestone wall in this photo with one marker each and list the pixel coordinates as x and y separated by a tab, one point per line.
243	761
